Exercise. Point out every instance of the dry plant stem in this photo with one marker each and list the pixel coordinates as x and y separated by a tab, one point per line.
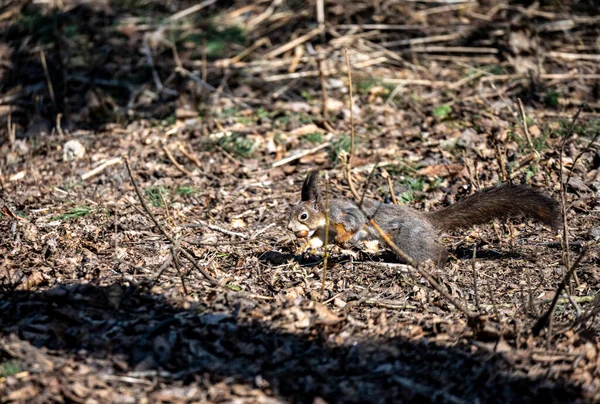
421	271
524	124
530	293
500	161
349	157
174	253
366	187
190	10
326	242
162	269
185	252
100	168
228	232
391	188
581	154
59	125
563	195
300	155
545	318
172	159
595	310
324	110
474	270
204	61
48	81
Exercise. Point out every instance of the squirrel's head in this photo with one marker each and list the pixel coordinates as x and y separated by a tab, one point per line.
308	215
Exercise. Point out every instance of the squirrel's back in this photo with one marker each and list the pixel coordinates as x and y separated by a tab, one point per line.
500	202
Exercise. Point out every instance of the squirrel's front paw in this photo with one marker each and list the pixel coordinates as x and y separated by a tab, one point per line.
313	244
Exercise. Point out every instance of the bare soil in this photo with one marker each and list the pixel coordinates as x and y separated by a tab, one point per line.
97	305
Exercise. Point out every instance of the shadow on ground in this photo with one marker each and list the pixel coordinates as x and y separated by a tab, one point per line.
217	342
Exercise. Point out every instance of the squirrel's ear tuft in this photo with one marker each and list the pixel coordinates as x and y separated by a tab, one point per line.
310	192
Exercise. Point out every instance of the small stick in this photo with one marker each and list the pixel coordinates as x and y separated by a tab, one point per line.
187	254
473	261
530	293
190	10
500	162
228	232
172	159
261	231
349	157
491	292
292	44
563	194
524	125
100	168
366	187
581	154
324	110
387	176
300	155
421	271
545	318
48	81
326	241
174	252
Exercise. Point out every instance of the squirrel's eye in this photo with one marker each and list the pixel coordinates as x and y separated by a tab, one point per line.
304	216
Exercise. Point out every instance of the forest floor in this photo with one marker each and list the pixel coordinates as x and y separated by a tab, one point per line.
221	108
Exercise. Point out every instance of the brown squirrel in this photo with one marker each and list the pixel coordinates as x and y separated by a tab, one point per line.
415	232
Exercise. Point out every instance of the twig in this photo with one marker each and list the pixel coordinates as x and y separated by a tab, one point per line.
174	252
366	187
194	159
474	270
228	232
190	10
398	251
524	125
587	148
348	164
590	313
207	86
500	161
325	110
326	241
261	231
300	155
48	81
387	304
545	318
172	159
187	254
293	43
100	168
388	177
157	82
563	194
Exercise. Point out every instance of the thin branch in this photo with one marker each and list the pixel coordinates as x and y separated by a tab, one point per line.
349	157
544	320
563	193
185	252
326	241
398	251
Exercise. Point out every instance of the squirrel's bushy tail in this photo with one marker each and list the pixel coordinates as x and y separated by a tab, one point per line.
499	202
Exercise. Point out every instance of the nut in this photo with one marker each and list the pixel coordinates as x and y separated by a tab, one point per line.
301	234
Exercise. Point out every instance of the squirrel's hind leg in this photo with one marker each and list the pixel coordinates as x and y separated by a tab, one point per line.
419	240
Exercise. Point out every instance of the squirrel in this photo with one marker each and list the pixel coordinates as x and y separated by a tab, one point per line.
415	232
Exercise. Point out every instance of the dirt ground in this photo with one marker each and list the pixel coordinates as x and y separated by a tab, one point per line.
221	107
